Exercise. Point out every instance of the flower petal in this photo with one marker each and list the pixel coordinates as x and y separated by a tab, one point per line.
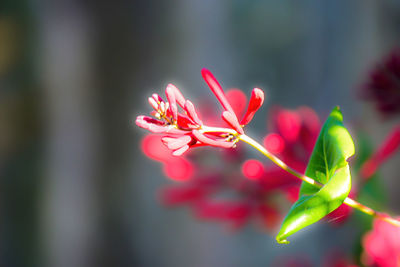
185	122
256	101
180	151
189	108
176	142
231	119
216	89
180	99
142	120
157	98
169	92
153	103
212	142
156	126
174	131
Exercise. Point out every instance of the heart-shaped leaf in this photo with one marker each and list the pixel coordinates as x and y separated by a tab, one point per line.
328	165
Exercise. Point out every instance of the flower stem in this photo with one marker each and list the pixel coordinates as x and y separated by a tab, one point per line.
348	201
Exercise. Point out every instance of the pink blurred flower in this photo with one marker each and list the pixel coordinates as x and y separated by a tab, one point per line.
182	130
382	245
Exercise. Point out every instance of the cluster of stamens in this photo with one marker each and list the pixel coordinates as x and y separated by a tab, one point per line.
160	109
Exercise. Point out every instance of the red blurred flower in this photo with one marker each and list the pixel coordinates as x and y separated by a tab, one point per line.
341	214
176	168
183	129
382	245
253	169
383	86
236	192
384	151
252	193
205	196
293	134
292	137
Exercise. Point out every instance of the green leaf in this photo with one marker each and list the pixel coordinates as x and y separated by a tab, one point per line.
328	165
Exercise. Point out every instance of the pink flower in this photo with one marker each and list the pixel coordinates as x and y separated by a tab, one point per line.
183	129
382	245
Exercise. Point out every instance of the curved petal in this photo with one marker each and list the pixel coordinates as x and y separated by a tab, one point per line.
176	142
189	108
206	140
231	119
256	101
180	99
216	89
169	92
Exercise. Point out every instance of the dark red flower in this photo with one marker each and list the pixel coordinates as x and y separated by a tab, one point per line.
331	259
183	129
383	85
335	257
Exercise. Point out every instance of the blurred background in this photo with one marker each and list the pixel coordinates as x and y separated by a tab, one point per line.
75	188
